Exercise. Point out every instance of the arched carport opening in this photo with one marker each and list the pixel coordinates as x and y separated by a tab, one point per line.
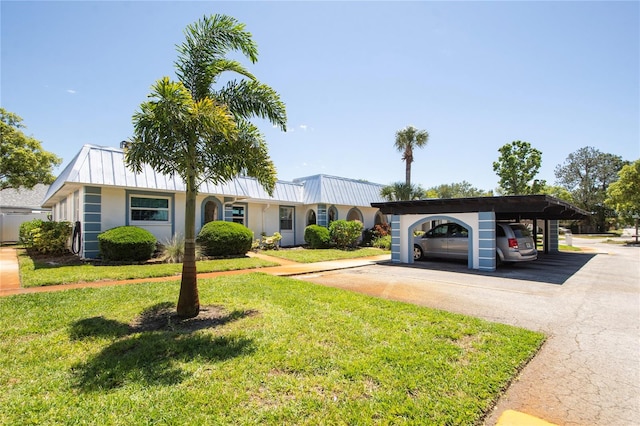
448	218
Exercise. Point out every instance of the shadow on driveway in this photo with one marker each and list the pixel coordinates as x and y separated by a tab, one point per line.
552	268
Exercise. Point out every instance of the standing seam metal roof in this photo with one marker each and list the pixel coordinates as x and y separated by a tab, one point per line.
104	166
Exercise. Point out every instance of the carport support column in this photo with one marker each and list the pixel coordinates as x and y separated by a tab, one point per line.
395	239
487	241
552	237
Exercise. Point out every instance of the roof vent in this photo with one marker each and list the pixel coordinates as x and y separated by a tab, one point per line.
124	145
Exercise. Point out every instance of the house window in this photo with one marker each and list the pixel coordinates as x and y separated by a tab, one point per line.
332	214
149	209
311	218
238	214
210	211
354	214
286	218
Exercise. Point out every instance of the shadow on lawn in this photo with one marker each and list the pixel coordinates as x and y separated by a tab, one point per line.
149	349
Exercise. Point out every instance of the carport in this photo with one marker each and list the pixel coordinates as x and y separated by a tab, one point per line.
479	216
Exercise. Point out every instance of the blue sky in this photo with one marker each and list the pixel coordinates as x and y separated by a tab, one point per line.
475	75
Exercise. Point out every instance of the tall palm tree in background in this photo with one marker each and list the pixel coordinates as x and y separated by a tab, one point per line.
201	132
406	140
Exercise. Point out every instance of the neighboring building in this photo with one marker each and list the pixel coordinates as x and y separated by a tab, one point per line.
98	192
18	206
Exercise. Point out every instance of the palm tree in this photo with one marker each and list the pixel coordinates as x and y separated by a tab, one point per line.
406	140
202	133
400	191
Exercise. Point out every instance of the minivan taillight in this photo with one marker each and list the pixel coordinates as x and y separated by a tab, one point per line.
513	243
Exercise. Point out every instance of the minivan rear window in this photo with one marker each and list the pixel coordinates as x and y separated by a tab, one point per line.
520	231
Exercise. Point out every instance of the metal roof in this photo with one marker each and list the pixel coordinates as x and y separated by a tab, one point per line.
325	189
506	208
104	166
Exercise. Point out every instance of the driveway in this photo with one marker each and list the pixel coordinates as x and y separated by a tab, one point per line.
588	371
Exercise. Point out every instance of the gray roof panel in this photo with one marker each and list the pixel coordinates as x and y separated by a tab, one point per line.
104	166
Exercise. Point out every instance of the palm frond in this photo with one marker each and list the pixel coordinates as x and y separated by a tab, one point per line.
248	99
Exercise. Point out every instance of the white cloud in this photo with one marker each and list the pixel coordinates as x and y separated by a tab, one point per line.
303	127
73	92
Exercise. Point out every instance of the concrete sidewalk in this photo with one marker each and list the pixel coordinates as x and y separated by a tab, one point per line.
10	276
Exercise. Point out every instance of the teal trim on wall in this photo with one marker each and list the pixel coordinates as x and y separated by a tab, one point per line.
395	239
92	224
486	241
322	217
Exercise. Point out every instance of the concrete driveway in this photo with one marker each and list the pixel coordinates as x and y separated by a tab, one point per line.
588	371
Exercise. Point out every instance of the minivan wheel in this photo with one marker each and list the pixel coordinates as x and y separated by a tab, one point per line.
417	252
498	260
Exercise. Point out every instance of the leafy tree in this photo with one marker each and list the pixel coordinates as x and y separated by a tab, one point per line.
624	194
517	167
587	174
201	132
400	191
558	192
456	190
23	162
406	140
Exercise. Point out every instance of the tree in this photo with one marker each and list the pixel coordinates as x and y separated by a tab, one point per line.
23	162
623	195
202	132
456	190
400	191
406	140
517	167
586	174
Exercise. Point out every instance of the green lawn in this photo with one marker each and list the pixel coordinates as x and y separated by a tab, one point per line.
303	255
283	352
39	273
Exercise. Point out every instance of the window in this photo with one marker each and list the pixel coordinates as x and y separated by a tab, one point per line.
238	214
149	209
332	214
311	218
286	218
210	211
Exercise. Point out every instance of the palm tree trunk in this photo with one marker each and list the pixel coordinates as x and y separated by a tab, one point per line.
189	301
408	173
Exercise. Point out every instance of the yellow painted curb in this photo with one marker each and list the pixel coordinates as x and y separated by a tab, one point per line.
516	418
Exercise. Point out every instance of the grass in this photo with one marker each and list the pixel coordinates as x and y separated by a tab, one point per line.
34	272
303	255
563	247
285	352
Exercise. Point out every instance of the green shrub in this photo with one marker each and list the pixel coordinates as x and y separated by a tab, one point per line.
44	236
345	233
372	234
220	238
382	242
126	243
317	236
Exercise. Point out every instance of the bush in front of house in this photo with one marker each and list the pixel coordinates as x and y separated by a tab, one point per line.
317	236
345	233
44	236
220	238
127	243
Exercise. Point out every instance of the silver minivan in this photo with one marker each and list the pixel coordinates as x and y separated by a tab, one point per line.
514	243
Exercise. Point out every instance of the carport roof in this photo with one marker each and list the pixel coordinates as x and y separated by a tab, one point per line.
506	208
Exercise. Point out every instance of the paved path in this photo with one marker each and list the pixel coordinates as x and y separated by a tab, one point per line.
588	371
